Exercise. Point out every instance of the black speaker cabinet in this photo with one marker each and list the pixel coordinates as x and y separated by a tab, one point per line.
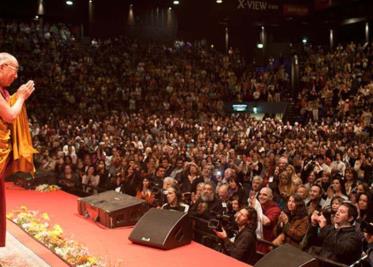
287	256
112	209
165	229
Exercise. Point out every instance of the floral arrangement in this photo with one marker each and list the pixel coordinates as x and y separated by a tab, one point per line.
37	225
47	188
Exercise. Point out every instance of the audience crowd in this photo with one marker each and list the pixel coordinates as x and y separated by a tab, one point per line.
149	121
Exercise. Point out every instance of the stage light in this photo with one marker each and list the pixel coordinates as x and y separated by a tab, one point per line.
304	40
255	110
69	2
176	2
219	1
170	8
41	8
260	45
353	20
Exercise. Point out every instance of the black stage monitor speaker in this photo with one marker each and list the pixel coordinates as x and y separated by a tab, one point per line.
165	229
287	256
112	209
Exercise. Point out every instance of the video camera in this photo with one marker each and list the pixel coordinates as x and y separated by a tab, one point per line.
222	221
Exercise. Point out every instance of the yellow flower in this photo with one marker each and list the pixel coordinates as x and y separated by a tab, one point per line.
57	229
10	215
45	216
24	208
92	260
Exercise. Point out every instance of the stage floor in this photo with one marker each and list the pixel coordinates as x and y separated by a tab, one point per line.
110	244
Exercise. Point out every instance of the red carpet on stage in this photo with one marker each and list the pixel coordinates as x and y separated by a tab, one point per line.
110	244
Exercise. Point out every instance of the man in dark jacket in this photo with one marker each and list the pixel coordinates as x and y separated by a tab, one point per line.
367	228
339	242
244	244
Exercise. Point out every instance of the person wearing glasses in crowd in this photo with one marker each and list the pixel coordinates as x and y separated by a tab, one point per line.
11	110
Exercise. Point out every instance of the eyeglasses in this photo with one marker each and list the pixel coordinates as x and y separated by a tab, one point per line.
12	67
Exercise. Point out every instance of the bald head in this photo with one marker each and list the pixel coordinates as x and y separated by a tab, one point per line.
265	195
223	192
8	69
7	58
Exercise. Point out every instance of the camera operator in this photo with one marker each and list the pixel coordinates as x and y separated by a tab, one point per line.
243	244
339	242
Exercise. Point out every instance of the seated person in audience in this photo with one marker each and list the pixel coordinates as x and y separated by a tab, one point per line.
130	181
235	188
208	205
302	191
284	189
196	195
69	179
271	212
223	195
367	229
330	211
145	192
339	242
244	244
174	201
90	180
315	201
190	178
336	189
256	185
161	193
157	178
350	181
104	175
365	207
292	223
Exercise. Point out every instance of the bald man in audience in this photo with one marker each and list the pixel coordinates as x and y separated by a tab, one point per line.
271	212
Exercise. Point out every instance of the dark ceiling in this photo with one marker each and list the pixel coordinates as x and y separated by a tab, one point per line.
197	19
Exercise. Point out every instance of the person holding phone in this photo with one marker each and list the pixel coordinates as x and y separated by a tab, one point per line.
11	107
339	242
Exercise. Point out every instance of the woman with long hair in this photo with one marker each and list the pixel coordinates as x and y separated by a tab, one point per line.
292	223
174	200
285	188
145	192
339	187
364	206
90	180
350	180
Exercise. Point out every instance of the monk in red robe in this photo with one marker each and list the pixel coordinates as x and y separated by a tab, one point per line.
15	141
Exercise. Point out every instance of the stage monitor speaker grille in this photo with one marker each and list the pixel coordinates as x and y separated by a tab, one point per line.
165	229
287	256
